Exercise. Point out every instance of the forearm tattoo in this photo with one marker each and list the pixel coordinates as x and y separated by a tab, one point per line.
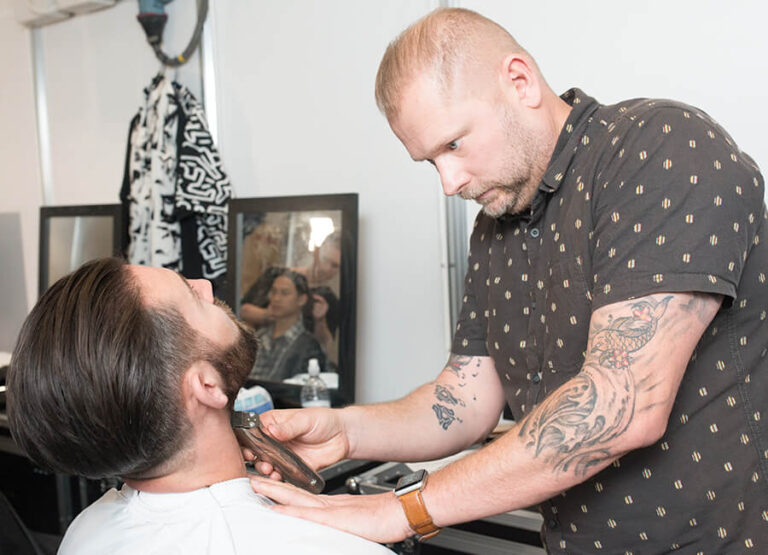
462	367
444	395
457	365
571	429
445	416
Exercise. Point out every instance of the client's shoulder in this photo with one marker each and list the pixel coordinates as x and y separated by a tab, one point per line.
95	521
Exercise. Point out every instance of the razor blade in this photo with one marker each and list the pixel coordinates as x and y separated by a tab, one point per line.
249	433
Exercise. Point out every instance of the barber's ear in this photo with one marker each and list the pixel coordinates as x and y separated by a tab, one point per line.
202	385
520	79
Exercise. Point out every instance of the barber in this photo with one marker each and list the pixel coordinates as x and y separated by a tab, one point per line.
615	300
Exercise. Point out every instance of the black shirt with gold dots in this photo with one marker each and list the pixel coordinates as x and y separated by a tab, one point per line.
642	197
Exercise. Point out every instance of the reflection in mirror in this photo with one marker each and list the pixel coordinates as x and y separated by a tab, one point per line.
291	277
70	236
76	240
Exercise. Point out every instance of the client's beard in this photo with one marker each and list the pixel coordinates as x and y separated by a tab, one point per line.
234	363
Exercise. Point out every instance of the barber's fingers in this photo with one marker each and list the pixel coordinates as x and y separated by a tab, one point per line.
376	517
290	425
285	494
272	421
267	470
262	467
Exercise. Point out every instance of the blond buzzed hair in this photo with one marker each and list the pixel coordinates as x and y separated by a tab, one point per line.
441	44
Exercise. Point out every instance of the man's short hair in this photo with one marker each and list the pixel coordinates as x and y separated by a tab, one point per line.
94	384
438	45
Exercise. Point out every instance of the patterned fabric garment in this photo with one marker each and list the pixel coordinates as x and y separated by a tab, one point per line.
643	197
175	188
202	189
153	230
287	355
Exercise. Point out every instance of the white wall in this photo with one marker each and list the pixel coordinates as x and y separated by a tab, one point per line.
20	190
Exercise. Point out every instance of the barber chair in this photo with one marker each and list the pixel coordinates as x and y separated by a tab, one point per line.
17	539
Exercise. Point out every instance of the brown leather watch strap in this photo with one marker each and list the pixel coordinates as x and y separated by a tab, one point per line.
418	516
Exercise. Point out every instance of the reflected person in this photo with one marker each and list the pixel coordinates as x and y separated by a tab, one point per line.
286	343
321	271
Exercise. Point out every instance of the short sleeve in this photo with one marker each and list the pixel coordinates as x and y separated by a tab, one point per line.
676	207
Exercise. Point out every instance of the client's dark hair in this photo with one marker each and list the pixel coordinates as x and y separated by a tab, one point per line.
94	382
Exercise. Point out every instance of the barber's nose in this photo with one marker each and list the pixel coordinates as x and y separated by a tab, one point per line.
203	288
452	177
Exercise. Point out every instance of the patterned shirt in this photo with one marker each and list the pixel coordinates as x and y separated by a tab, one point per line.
287	355
642	197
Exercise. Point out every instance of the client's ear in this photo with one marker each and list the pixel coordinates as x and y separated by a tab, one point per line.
202	385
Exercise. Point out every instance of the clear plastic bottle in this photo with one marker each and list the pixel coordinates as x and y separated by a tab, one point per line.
314	392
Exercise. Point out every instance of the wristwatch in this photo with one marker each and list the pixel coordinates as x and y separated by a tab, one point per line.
408	490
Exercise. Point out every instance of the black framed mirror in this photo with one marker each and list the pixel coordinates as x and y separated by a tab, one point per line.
72	235
292	276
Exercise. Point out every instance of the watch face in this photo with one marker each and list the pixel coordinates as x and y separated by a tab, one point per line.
411	479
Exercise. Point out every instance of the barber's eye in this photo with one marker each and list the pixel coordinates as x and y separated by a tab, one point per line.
453	145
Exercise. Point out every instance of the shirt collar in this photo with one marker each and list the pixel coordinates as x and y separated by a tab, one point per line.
266	333
295	330
583	106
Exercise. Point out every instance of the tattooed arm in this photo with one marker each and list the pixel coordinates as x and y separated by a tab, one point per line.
461	406
636	355
440	418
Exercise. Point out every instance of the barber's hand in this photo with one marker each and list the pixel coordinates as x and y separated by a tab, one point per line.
316	435
319	307
379	518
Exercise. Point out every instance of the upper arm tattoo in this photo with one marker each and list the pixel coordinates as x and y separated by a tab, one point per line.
571	429
622	337
702	306
446	396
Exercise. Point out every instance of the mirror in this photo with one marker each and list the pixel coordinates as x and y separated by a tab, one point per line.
13	296
73	235
292	277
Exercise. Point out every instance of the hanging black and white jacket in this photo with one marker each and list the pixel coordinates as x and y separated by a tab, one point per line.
175	191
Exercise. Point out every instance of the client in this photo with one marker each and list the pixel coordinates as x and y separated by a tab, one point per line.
131	371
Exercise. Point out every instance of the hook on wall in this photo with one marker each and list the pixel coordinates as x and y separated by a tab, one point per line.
152	17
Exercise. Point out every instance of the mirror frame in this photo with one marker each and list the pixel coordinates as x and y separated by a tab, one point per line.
287	395
48	212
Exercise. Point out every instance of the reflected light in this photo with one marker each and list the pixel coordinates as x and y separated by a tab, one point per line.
320	229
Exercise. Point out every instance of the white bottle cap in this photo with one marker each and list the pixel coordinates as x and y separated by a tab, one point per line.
314	367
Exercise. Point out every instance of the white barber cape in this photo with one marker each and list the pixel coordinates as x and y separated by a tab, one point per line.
225	518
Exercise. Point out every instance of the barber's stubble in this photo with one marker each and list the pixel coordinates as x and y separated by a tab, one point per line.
524	161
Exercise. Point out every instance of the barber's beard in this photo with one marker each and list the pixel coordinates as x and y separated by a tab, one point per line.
234	363
503	199
523	165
